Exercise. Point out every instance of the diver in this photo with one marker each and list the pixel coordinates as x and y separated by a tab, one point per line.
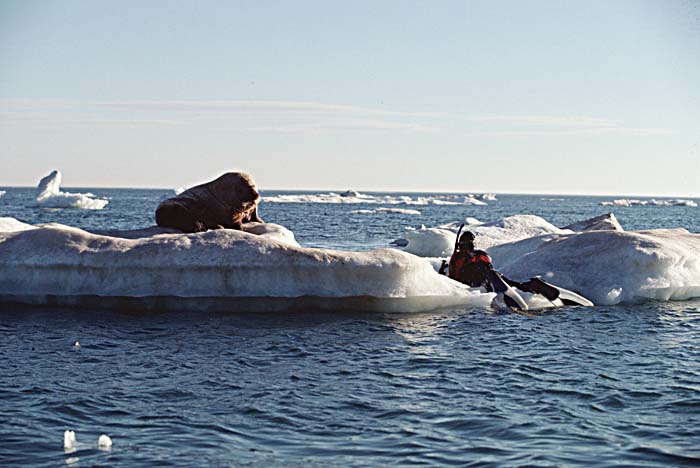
474	268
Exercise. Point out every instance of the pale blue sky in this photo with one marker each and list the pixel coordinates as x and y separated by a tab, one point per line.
467	96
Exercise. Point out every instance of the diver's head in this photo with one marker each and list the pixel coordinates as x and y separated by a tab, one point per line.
466	241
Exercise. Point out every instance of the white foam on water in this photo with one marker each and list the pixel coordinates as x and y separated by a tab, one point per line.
49	195
652	202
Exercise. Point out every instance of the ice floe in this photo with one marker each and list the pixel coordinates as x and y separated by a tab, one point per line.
263	268
13	225
351	196
49	195
600	260
2	192
652	202
434	242
388	210
104	442
604	222
216	270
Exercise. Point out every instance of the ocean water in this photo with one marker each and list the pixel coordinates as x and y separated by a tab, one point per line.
603	386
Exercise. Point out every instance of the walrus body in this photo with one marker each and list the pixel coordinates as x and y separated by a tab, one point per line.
226	202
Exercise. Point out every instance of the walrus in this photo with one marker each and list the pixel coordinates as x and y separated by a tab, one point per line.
224	203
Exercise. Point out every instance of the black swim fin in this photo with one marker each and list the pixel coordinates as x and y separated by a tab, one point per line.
537	285
509	295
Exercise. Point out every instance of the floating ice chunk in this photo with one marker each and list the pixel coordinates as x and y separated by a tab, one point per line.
439	242
511	229
2	192
614	295
388	210
488	196
604	222
69	441
77	344
609	267
49	195
104	442
216	270
12	225
652	202
430	242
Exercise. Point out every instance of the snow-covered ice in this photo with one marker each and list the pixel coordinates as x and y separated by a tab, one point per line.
220	269
13	225
439	241
607	265
604	222
652	202
49	195
263	268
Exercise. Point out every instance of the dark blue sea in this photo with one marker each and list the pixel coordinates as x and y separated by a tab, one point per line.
612	386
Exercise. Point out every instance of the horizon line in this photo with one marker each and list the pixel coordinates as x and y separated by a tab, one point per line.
420	191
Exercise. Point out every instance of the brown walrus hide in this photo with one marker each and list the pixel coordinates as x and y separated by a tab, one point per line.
226	202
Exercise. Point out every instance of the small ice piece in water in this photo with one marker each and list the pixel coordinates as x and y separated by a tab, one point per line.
69	440
77	344
104	442
2	192
614	295
49	195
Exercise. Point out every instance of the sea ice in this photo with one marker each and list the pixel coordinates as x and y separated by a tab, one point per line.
49	195
606	266
604	222
2	192
439	242
69	440
652	202
104	442
221	269
609	267
12	225
351	196
387	210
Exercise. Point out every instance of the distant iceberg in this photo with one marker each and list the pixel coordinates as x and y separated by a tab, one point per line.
652	202
49	195
351	196
388	210
2	192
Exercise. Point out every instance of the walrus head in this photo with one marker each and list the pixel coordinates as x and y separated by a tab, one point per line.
237	191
